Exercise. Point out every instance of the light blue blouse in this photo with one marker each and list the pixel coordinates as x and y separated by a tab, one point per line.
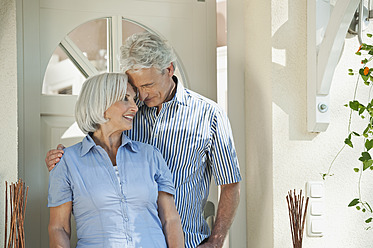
110	213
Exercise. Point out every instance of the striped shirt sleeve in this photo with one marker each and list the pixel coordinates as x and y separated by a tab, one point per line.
222	154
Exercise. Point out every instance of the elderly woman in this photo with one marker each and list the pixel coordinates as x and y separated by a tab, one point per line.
119	191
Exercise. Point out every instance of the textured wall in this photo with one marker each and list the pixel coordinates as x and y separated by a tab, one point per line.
299	156
8	101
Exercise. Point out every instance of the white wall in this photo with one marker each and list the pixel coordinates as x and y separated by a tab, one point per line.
8	101
299	156
250	112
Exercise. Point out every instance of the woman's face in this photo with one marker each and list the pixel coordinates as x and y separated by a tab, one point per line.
121	113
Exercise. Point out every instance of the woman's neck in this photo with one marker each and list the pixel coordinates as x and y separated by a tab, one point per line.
110	142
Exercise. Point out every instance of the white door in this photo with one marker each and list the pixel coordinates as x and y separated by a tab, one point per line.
189	25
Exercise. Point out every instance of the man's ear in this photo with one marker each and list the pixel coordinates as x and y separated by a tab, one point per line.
171	70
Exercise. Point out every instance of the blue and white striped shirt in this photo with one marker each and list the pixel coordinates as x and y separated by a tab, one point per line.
195	138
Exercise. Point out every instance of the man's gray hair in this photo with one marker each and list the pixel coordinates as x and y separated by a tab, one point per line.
98	93
146	50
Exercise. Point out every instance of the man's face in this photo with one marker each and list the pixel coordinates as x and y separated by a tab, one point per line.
154	87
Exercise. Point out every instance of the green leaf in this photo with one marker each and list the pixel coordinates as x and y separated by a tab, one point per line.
345	105
367	164
351	73
350	70
362	74
356	169
356	134
369	35
354	105
364	210
366	130
349	143
365	77
362	109
354	202
368	220
358	208
358	53
365	156
369	144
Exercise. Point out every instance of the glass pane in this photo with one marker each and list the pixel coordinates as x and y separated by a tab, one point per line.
91	39
62	76
129	28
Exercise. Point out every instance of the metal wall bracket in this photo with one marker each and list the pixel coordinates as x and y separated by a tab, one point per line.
326	31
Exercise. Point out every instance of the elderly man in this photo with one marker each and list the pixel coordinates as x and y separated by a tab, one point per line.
192	133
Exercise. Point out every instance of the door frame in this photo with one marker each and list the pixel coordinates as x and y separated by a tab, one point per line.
29	90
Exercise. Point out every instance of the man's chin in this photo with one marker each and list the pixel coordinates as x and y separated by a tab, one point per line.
150	104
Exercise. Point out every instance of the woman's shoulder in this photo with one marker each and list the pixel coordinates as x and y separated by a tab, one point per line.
142	146
73	148
69	156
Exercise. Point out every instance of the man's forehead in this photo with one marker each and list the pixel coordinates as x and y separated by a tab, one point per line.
142	77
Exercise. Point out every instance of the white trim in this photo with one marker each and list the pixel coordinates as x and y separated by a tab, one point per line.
114	42
78	58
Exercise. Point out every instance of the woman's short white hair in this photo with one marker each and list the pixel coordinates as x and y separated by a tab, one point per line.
98	93
146	50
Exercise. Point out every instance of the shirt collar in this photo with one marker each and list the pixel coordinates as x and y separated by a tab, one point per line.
88	143
179	96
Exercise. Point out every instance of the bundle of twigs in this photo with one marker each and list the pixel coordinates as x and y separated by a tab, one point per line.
297	215
17	206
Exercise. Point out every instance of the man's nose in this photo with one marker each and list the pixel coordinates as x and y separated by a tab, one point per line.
142	95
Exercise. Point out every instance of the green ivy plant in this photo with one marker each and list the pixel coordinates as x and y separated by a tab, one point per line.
365	111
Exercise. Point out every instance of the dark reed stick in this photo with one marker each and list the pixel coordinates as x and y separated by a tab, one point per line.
297	216
17	200
6	213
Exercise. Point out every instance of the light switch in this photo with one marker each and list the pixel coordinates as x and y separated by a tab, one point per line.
317	226
315	189
317	208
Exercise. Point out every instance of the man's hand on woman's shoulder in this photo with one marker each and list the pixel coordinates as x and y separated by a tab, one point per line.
54	156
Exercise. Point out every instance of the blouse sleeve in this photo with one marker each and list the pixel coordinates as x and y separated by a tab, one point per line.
59	189
163	175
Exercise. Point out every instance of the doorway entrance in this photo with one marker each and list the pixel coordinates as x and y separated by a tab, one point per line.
50	78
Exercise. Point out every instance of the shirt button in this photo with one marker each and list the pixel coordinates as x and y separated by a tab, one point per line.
129	238
126	218
122	200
